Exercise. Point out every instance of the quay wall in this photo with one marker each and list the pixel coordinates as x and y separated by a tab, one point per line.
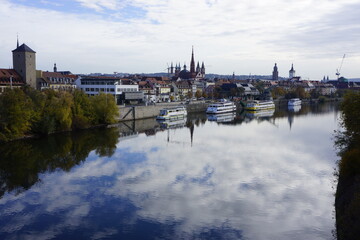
129	113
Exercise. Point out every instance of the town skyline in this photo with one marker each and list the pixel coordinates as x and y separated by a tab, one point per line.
87	36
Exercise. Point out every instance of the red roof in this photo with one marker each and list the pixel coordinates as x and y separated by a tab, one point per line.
5	75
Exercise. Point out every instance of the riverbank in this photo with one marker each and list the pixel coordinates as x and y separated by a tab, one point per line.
347	199
130	113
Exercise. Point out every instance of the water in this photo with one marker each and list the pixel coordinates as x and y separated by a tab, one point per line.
268	177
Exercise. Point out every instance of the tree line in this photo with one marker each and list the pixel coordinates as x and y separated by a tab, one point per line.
347	201
26	111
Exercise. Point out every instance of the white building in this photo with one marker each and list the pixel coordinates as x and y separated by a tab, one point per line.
122	89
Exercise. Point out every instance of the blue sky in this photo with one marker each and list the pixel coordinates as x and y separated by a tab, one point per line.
137	36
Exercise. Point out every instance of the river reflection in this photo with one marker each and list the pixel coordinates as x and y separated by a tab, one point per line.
253	178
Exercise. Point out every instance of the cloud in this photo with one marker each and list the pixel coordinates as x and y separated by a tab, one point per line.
141	36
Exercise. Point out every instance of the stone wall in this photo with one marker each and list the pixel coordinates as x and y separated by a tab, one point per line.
142	112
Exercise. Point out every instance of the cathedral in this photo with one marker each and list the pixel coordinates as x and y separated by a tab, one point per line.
194	73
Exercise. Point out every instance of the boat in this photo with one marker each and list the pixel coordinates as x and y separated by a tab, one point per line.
223	106
256	105
294	102
222	117
172	113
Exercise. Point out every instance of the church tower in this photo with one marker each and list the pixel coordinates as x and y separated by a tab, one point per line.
24	63
275	74
292	72
198	69
192	65
55	68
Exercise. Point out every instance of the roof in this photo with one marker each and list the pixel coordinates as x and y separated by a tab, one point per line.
23	48
5	75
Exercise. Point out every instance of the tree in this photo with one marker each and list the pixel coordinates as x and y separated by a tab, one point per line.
189	94
105	109
204	95
56	115
82	110
278	92
198	94
16	110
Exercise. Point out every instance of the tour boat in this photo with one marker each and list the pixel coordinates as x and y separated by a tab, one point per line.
294	102
222	106
256	105
172	113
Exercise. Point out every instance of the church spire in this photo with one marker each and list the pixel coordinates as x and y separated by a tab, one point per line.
192	63
17	40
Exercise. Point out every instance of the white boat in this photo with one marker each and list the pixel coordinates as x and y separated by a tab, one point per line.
294	102
256	105
223	106
172	113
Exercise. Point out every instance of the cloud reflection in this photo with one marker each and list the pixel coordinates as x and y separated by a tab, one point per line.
252	181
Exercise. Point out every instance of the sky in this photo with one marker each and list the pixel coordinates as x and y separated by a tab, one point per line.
145	36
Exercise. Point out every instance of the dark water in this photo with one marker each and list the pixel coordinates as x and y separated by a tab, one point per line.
262	176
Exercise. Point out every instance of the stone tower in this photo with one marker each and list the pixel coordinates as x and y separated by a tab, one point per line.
24	63
275	74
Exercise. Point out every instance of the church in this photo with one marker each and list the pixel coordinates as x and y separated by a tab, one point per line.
184	74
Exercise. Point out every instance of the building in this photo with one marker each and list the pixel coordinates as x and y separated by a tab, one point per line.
123	89
184	74
56	81
292	72
24	63
9	78
275	74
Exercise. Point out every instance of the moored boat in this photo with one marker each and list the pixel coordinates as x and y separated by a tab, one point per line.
172	113
256	105
223	106
294	102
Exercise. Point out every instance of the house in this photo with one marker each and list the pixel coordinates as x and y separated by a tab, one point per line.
9	78
56	81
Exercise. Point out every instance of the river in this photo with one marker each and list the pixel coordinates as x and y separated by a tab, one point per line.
267	176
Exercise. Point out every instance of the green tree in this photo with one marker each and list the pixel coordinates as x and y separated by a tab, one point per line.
351	114
82	110
105	109
56	115
16	111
